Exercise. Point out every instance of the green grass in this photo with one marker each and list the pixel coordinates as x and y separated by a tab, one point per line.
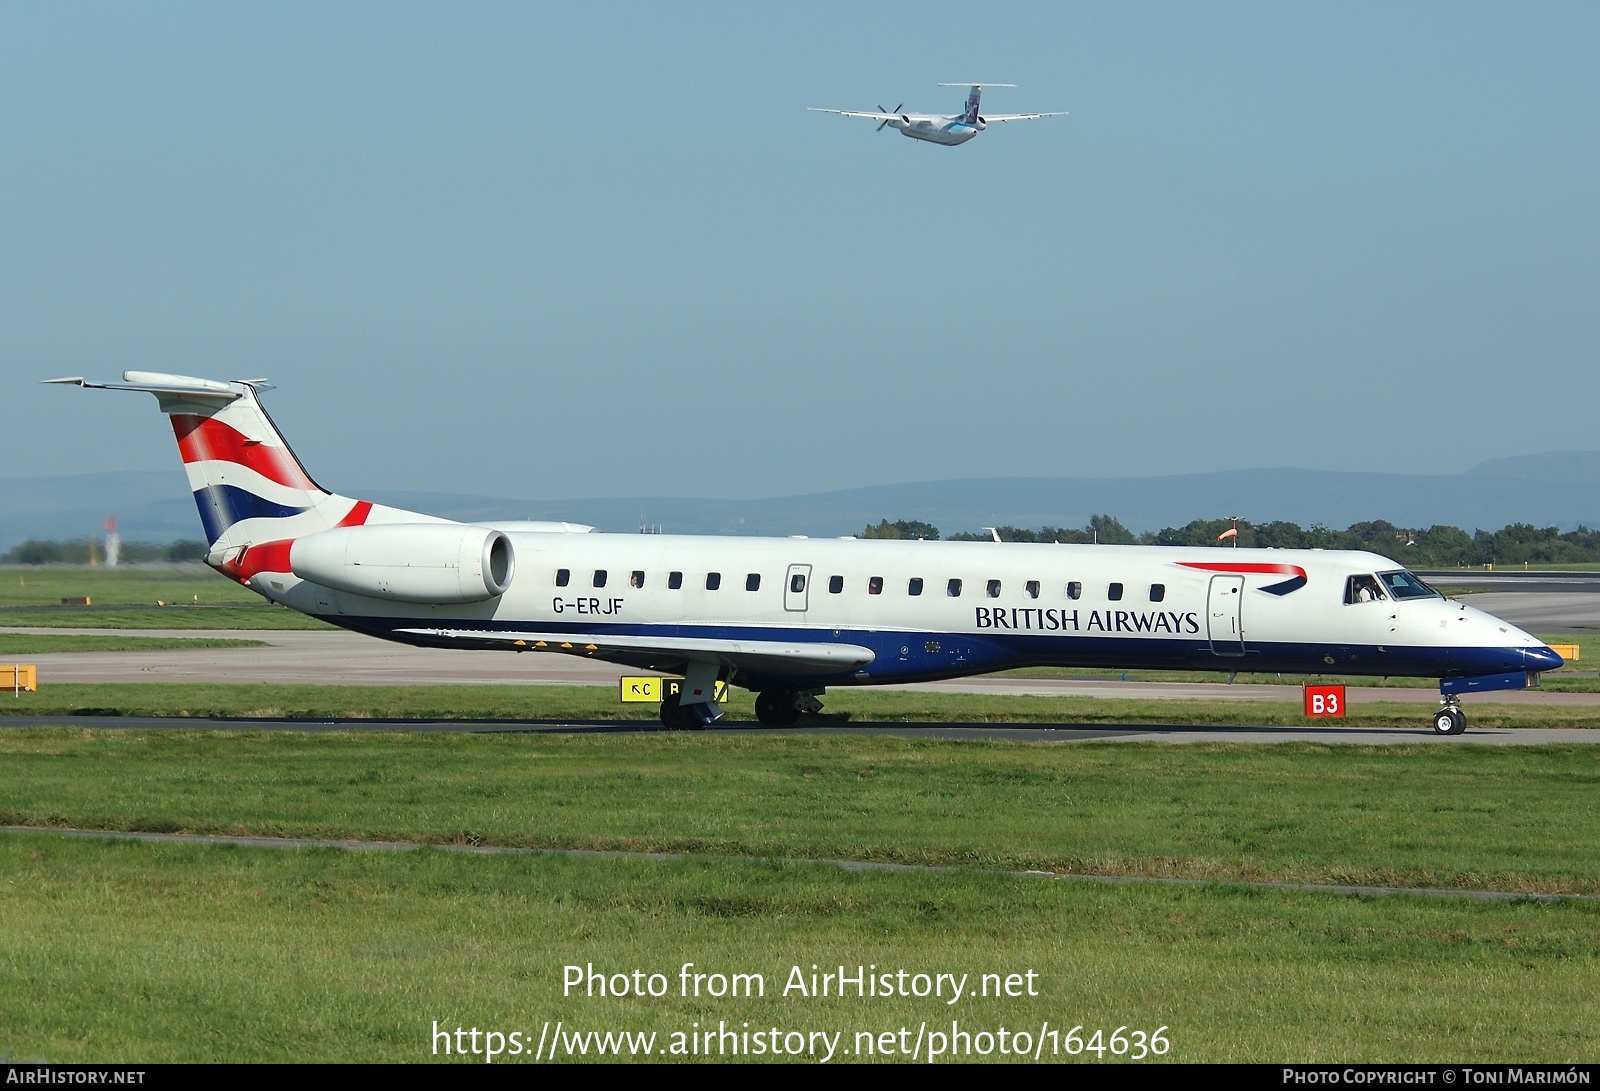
126	598
132	953
1532	566
162	952
40	643
1517	819
146	953
47	585
545	703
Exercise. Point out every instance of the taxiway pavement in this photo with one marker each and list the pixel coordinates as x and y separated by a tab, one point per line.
1032	733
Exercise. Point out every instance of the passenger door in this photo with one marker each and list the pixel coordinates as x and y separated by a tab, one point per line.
1223	625
797	588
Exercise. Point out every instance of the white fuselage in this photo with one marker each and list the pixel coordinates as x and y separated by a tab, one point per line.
941	609
936	129
792	616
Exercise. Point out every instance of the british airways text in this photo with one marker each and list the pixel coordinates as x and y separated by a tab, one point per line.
1075	621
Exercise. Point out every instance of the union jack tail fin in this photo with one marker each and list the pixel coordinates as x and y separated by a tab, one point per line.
248	485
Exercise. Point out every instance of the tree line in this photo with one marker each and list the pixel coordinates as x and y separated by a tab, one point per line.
1434	547
85	550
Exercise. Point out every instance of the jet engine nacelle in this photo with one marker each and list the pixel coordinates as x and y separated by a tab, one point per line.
982	124
409	562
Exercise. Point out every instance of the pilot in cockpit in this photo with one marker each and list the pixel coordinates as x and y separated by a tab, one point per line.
1362	589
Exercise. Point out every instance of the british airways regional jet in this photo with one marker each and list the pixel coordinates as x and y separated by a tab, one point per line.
790	617
947	129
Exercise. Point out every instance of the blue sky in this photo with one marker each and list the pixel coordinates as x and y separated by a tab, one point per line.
601	249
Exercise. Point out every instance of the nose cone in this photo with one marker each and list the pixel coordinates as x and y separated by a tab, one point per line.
1541	657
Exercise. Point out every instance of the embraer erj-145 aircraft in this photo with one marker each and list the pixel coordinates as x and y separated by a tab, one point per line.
947	129
789	617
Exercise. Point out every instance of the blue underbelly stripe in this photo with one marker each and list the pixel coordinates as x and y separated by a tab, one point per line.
910	656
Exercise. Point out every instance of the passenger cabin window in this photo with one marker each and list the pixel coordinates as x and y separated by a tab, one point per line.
752	582
713	580
563	576
914	588
674	580
1158	592
1074	590
953	589
835	584
797	582
637	579
1362	589
992	589
1031	589
1114	592
599	577
875	585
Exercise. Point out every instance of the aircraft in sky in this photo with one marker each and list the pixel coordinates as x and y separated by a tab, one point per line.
948	129
790	617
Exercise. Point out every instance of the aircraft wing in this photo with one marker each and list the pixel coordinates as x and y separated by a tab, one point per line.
1023	117
868	113
671	652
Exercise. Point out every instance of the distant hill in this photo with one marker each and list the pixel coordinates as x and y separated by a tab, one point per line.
1557	489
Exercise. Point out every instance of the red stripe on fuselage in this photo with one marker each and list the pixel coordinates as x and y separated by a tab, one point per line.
202	439
357	515
274	556
1243	567
266	557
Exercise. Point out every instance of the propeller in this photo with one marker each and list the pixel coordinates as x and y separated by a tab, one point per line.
885	121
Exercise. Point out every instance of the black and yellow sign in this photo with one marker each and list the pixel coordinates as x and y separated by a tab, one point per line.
648	688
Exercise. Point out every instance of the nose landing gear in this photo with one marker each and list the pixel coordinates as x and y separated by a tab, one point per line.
681	717
1450	720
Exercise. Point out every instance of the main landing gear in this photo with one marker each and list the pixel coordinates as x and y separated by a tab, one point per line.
774	708
783	708
1450	720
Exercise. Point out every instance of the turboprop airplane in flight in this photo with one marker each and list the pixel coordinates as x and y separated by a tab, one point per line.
947	129
790	617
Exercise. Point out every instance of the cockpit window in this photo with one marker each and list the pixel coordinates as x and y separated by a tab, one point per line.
1403	585
1362	589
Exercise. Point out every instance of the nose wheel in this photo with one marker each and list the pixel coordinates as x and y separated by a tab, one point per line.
1449	720
681	717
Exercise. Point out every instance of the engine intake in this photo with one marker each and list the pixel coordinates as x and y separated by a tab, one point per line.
408	562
